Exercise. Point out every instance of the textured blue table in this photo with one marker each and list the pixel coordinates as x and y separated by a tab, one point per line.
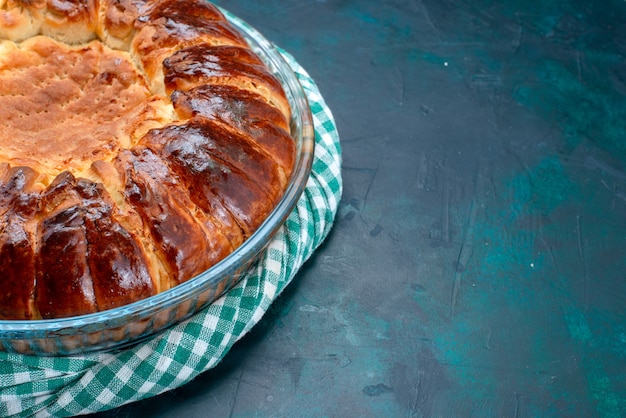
478	263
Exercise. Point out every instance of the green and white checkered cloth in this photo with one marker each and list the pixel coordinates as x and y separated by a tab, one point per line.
66	386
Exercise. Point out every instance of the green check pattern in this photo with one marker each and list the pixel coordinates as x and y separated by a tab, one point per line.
68	386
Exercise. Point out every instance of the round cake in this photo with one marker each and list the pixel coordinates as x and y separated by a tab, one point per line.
142	142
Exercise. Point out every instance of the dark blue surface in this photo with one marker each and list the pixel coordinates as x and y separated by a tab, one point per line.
478	262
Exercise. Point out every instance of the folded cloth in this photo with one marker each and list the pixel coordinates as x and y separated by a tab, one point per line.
67	386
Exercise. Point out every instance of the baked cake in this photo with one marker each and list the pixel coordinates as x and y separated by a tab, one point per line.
142	142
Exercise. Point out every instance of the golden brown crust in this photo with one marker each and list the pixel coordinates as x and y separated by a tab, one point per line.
117	263
87	99
86	260
70	21
21	19
117	21
243	111
213	176
181	241
170	25
18	202
64	287
203	64
133	162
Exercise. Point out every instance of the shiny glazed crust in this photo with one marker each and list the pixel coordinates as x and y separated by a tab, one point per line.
150	144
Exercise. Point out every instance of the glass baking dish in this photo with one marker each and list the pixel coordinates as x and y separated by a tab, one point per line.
130	324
